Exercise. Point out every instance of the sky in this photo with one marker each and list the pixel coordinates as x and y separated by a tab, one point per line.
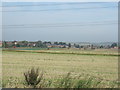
60	21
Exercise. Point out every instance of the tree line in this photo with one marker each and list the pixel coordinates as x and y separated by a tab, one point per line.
46	44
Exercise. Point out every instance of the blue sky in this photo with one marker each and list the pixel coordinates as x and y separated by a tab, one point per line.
70	22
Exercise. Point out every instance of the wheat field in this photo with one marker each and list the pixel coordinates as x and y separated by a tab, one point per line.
14	64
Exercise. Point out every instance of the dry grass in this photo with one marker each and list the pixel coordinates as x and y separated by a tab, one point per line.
56	65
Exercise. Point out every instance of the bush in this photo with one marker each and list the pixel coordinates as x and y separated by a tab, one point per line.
35	80
87	83
32	77
65	82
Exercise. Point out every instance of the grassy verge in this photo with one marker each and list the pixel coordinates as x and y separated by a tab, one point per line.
65	81
93	54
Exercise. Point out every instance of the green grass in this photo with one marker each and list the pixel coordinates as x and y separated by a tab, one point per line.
56	65
98	52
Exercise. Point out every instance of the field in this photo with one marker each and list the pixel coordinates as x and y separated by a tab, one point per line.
56	63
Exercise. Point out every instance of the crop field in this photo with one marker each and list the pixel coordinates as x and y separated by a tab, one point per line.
55	63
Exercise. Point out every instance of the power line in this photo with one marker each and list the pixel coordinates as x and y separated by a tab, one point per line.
61	23
58	9
48	26
48	4
110	21
37	5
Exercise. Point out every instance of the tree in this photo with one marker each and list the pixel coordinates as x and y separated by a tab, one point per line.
82	47
56	43
24	43
114	45
77	46
4	44
17	45
40	44
69	45
101	46
49	42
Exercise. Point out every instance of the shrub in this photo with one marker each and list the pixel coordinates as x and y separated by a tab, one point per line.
65	82
87	82
32	77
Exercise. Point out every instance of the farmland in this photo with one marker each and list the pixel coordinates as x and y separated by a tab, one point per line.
101	63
